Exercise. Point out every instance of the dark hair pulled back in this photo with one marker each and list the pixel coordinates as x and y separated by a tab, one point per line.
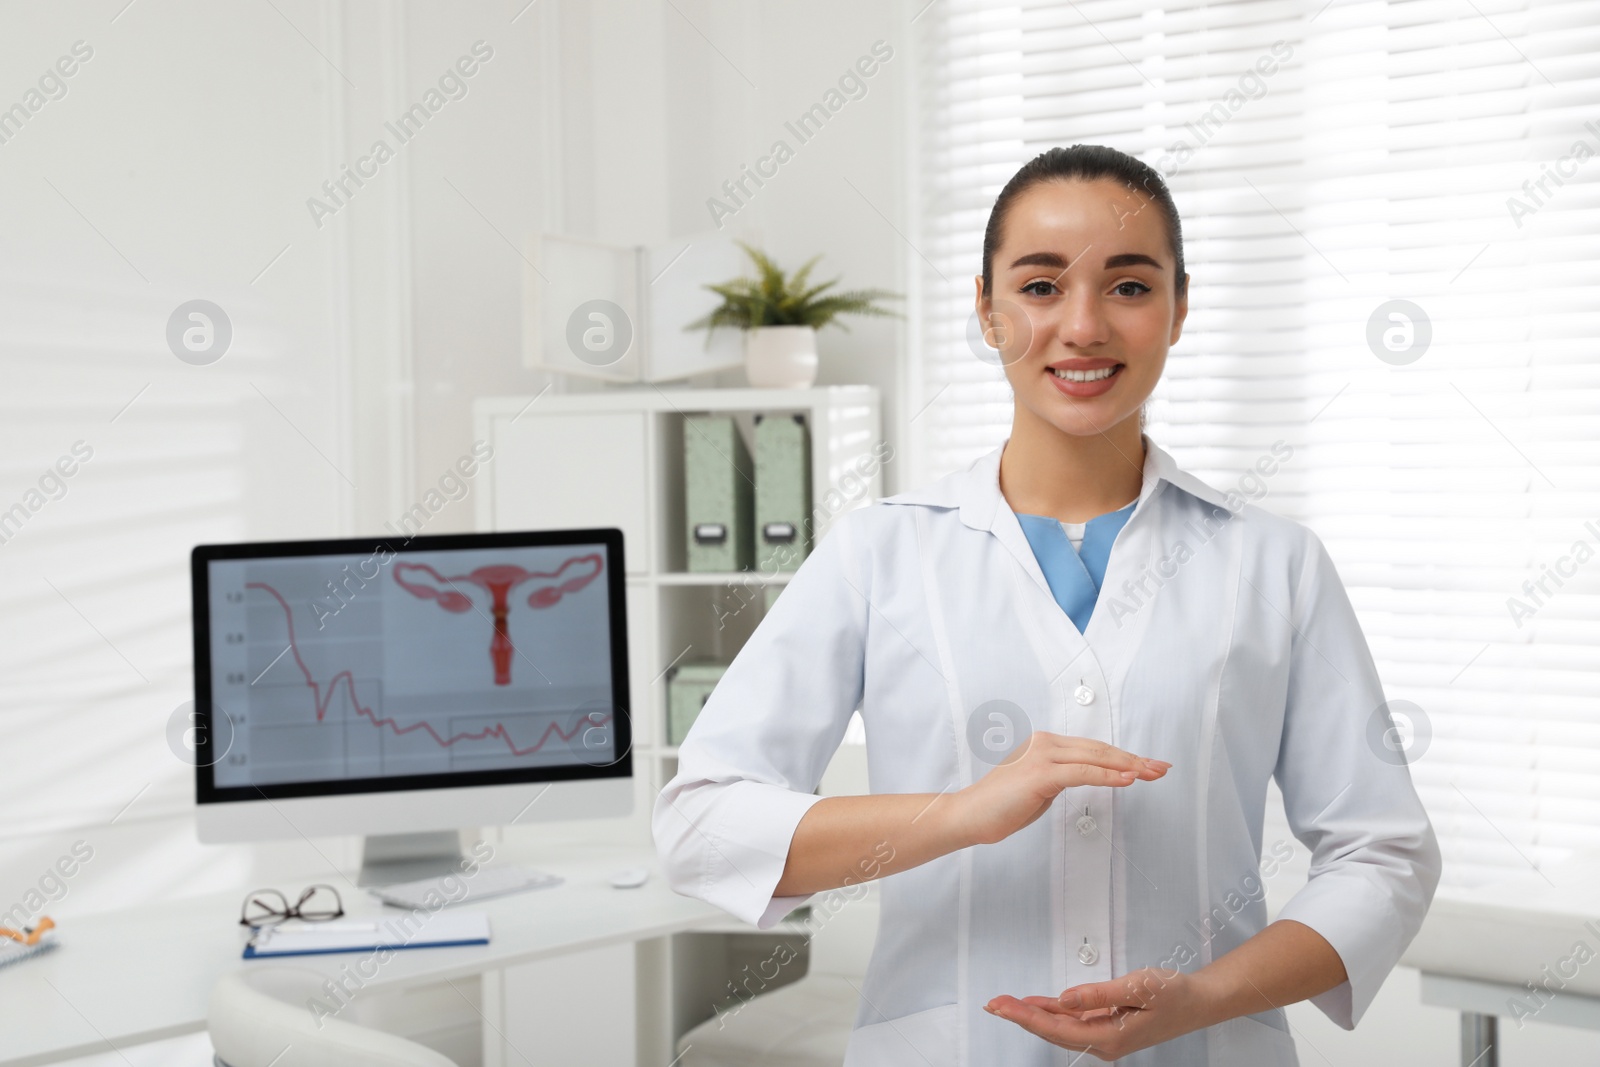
1085	162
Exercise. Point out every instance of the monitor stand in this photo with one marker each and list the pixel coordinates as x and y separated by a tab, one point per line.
387	859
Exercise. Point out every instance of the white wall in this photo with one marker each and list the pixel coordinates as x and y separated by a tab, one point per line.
174	167
653	106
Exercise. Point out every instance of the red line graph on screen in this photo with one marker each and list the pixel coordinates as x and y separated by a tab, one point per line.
322	697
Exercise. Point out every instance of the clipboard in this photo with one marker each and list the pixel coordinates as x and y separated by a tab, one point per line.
440	929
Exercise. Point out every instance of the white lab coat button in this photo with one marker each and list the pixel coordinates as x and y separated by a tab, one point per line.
1084	695
1087	955
1086	825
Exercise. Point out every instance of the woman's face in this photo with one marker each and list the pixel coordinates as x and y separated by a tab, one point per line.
1083	284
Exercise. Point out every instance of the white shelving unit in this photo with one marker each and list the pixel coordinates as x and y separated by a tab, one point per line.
615	458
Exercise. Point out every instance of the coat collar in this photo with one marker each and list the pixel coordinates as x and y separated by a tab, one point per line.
976	490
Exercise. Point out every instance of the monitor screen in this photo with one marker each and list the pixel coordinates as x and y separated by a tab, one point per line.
429	662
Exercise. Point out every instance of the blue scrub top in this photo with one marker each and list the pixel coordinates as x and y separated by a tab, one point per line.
1074	576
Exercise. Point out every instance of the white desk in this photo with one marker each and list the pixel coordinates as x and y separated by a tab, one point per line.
1477	950
123	978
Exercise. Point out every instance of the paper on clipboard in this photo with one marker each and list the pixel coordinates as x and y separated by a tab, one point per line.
437	930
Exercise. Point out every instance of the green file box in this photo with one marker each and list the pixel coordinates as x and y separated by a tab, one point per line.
688	688
718	494
783	492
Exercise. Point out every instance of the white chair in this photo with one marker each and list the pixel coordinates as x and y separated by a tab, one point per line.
259	1016
806	1023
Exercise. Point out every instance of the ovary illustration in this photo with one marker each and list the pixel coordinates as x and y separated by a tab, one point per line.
499	579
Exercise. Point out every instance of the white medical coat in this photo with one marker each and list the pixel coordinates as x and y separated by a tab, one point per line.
1222	640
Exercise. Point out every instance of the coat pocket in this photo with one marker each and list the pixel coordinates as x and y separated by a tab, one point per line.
922	1039
1244	1040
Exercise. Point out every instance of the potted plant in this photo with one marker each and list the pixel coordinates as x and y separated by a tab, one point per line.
781	316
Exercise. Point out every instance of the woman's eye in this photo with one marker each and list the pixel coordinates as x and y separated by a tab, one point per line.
1031	287
1141	287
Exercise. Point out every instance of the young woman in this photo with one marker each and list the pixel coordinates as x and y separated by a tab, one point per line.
1078	666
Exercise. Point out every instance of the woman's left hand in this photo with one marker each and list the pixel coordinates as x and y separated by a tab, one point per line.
1111	1019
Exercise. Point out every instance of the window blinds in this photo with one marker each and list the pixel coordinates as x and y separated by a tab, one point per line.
1446	156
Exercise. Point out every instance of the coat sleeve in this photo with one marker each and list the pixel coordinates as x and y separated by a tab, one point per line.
749	766
1348	796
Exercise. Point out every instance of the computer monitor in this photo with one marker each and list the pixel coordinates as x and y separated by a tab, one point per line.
405	688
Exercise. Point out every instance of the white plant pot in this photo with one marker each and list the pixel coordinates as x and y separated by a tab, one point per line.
781	357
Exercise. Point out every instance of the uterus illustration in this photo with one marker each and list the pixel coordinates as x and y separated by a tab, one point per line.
498	580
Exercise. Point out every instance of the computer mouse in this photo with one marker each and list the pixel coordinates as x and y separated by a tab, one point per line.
631	878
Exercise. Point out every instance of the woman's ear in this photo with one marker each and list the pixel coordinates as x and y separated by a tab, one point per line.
982	307
1180	311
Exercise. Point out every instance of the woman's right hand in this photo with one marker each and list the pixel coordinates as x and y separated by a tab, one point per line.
1018	791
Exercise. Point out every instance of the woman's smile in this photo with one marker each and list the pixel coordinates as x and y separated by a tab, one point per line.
1091	378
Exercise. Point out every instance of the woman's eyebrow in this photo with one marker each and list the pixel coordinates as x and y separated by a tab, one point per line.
1054	259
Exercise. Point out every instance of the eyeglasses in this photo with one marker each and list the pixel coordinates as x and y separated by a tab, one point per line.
29	935
267	907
